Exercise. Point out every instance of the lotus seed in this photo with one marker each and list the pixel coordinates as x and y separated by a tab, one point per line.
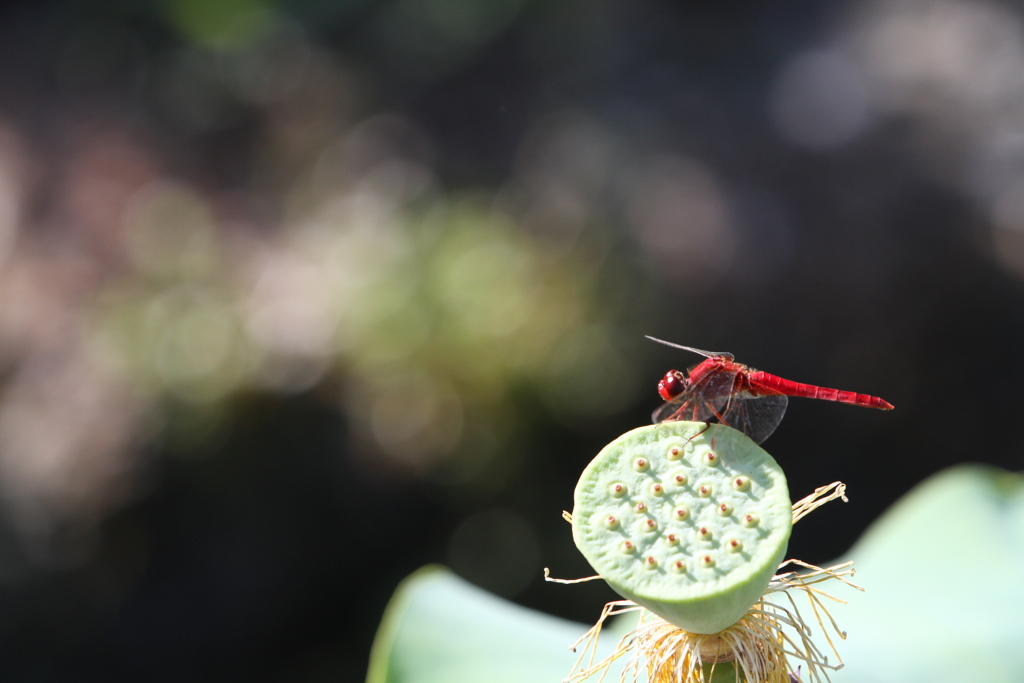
704	491
679	566
611	522
725	509
741	483
651	562
680	479
750	520
704	533
617	489
672	539
641	465
657	489
680	513
650	525
710	459
627	547
674	453
735	545
640	507
707	561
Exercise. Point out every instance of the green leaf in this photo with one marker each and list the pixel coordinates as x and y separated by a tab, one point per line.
441	629
944	573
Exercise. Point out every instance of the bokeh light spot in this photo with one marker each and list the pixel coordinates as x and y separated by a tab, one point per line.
224	24
170	232
819	99
682	218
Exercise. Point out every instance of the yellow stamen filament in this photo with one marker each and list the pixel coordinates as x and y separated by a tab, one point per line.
547	577
805	506
760	645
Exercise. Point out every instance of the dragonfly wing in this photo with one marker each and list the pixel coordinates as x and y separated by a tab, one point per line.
756	416
666	411
691	408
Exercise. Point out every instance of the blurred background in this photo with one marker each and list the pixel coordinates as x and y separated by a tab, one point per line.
297	296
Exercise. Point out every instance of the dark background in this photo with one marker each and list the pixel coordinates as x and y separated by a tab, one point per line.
296	297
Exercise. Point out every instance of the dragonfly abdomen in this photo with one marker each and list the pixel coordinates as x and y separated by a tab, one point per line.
791	388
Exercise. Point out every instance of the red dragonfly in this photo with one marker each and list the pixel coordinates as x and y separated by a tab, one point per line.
738	396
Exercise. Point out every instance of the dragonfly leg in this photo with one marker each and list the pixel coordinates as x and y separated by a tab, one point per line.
716	415
681	413
707	423
707	426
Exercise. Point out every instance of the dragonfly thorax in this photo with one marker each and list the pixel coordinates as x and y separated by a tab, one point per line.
713	366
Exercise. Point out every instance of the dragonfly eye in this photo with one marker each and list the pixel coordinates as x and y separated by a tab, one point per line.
671	385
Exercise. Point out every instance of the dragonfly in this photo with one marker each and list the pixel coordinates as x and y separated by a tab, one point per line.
739	396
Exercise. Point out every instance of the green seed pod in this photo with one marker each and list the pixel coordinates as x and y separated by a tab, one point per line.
703	549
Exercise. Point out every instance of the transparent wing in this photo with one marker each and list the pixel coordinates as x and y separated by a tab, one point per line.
706	354
757	416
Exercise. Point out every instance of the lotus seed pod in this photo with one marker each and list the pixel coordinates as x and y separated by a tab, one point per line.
701	551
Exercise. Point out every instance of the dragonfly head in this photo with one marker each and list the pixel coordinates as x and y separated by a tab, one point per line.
671	385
